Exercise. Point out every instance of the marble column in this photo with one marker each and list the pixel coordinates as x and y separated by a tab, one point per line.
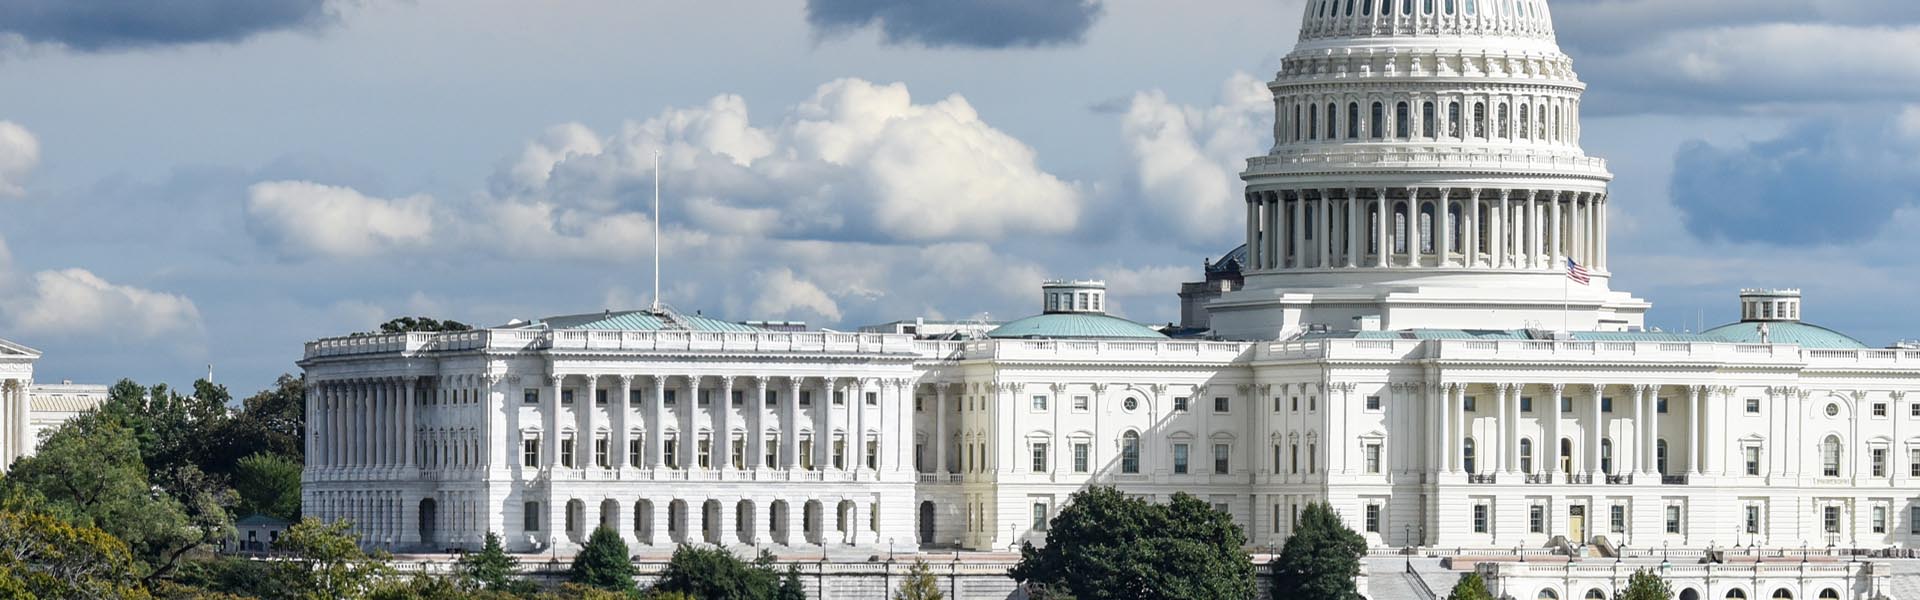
623	411
1696	403
1356	224
1596	430
1552	443
757	429
1413	227
550	451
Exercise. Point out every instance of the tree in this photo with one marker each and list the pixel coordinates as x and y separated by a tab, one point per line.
920	584
329	563
603	563
716	574
273	421
1644	585
790	586
492	568
1321	559
268	484
45	557
1105	545
420	324
1470	587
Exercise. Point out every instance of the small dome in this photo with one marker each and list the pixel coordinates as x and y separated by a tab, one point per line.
1805	335
1075	325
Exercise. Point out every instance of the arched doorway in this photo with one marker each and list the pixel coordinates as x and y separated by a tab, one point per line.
778	527
610	514
428	514
926	522
710	521
643	522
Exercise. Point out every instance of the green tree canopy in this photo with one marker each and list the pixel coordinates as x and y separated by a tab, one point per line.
1104	545
716	574
330	563
45	557
493	569
790	586
268	484
1321	558
421	324
603	563
1644	585
1470	587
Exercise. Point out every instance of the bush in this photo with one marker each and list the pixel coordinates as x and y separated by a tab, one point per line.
603	563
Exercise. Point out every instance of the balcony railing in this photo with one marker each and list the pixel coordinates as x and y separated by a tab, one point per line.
1477	478
1539	479
1673	480
1579	478
1626	479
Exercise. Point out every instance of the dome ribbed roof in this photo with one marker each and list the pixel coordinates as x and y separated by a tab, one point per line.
1804	335
1075	325
1427	18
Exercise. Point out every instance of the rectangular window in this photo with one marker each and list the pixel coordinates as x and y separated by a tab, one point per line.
773	399
636	450
737	452
1179	459
1082	403
1830	517
1313	454
873	454
1313	403
1373	403
1660	405
1220	454
1536	519
873	398
1221	405
1180	404
1296	404
704	451
1617	518
530	516
771	446
1879	519
1526	404
670	451
530	452
737	399
1753	406
1276	458
1913	462
1373	458
1913	410
1673	519
806	452
1279	404
1373	518
1753	460
1040	457
1753	519
1880	409
1040	516
566	450
1468	404
1913	520
839	453
532	396
600	397
1039	402
1879	461
1082	456
1606	404
1566	404
602	455
671	398
704	398
566	397
839	398
806	398
1479	518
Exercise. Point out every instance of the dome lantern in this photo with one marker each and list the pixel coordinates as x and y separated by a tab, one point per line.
1074	296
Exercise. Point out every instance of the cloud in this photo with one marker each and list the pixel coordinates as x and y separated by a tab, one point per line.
302	220
1825	181
971	24
109	25
856	161
19	154
1187	159
784	295
77	302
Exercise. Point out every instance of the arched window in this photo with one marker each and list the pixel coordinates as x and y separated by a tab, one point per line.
1401	120
1471	7
1558	133
1400	228
1544	594
1479	120
1406	7
1296	122
1526	455
1735	594
1454	223
1349	8
1541	116
1450	6
1596	594
1783	593
1366	8
1505	128
1566	455
1428	8
1130	452
1830	456
1453	119
1426	228
1313	122
1829	593
1660	456
1353	120
1378	126
1606	456
1466	454
1333	125
1526	126
1427	120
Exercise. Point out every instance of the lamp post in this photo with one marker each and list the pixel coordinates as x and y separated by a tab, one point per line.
1406	533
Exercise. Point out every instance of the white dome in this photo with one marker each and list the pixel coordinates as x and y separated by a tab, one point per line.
1524	19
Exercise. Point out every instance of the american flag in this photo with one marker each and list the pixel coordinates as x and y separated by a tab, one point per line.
1577	272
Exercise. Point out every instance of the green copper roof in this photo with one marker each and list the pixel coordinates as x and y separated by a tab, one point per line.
1805	335
1070	325
634	320
1643	336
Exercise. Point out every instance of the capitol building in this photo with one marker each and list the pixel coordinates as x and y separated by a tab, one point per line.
1420	329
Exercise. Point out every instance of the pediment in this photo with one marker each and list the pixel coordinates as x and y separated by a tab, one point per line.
11	349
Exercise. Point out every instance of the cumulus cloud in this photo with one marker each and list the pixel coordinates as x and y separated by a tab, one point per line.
784	295
972	24
1825	181
1775	62
19	154
77	302
303	219
1187	159
108	25
856	161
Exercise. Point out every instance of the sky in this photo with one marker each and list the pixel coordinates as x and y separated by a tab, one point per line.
215	182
